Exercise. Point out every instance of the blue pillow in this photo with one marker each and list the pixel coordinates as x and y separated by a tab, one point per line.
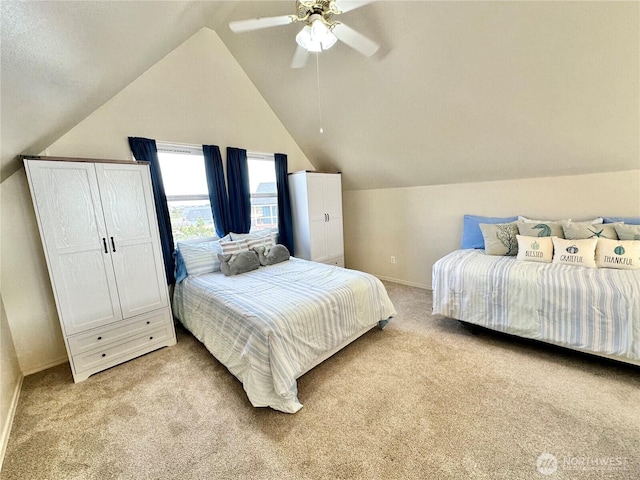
180	271
471	233
627	220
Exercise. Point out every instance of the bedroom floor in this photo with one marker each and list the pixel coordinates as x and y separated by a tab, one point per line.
425	398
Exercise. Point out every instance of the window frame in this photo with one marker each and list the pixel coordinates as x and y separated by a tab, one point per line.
185	149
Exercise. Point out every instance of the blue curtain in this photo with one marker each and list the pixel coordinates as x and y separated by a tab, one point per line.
285	225
239	195
144	149
217	189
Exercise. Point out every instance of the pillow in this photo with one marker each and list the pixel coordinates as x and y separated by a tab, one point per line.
180	269
240	236
500	238
272	255
627	220
200	257
471	234
575	230
627	232
234	247
620	254
541	229
265	241
529	220
535	249
246	236
575	252
595	221
242	262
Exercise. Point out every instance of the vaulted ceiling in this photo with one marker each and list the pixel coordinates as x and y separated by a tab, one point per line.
458	92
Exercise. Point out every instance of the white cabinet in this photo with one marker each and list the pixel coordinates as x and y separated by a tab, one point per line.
99	231
316	207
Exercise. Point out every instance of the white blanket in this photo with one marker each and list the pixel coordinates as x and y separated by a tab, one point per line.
271	325
594	310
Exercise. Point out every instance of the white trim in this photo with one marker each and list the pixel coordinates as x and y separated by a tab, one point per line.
181	148
404	282
261	156
8	422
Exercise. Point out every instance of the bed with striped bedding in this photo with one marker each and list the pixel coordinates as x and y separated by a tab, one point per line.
271	325
592	310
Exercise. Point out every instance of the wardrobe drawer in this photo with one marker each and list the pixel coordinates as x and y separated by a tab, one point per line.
125	348
115	332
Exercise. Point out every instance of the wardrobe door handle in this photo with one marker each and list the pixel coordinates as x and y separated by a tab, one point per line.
328	217
104	242
113	245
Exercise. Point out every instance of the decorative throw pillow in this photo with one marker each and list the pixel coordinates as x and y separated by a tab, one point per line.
627	232
201	257
272	255
535	249
594	221
575	230
265	241
620	254
471	233
575	252
541	229
500	238
234	248
242	262
530	220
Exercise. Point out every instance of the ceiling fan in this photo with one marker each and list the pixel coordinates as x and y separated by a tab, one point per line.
320	32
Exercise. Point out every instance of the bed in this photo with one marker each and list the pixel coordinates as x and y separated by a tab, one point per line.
595	310
271	325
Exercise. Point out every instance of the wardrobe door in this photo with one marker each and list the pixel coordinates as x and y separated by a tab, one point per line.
72	227
133	239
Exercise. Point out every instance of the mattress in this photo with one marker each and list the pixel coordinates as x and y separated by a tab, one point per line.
594	310
271	325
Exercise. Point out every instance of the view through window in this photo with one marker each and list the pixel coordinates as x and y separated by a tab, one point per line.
264	193
185	184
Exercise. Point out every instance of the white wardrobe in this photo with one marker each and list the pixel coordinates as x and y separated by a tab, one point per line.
316	208
100	236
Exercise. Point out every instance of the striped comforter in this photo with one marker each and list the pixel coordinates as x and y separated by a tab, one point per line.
596	310
271	325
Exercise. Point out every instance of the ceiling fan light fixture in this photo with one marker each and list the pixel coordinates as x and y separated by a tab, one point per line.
316	37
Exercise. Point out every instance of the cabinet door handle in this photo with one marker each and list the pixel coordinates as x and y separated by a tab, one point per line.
104	242
328	217
113	245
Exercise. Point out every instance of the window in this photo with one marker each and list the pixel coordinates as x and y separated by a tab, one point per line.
264	193
185	184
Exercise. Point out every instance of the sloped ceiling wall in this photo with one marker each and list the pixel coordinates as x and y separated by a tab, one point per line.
459	91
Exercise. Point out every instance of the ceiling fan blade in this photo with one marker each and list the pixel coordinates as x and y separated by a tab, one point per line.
258	23
300	57
347	5
355	39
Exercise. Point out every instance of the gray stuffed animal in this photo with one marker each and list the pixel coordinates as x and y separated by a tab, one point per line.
271	256
239	263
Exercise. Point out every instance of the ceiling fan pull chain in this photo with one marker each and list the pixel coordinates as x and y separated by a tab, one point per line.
318	83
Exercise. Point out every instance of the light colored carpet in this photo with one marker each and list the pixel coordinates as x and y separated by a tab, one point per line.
423	399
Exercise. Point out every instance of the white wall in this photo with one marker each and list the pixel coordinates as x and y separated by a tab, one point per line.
418	225
10	381
196	94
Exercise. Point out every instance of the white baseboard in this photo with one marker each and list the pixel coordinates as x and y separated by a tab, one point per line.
40	368
404	282
8	422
